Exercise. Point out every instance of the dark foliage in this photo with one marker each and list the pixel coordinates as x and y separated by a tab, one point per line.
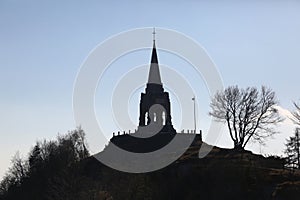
62	170
293	151
49	170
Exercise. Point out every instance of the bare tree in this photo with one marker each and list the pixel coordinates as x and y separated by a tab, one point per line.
15	174
19	168
296	114
249	114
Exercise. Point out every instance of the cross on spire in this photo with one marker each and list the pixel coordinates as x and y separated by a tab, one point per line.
154	74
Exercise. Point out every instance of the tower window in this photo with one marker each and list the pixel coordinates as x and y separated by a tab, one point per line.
146	119
163	118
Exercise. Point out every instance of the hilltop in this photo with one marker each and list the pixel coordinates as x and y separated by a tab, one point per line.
222	174
63	170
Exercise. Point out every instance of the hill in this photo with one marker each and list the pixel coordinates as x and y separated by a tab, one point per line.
62	170
222	174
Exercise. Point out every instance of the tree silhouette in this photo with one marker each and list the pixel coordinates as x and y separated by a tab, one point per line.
293	150
15	175
296	114
49	170
249	114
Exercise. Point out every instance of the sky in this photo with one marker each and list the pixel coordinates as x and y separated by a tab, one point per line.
44	43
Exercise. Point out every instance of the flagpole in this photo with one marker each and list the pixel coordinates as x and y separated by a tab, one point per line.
194	99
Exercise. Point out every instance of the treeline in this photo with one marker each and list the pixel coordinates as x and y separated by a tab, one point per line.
49	172
63	169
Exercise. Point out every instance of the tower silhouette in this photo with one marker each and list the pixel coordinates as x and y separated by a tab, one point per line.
155	121
155	107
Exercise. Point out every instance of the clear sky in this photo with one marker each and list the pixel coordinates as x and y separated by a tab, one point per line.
43	44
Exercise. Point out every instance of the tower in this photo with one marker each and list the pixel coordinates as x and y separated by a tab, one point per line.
155	121
155	107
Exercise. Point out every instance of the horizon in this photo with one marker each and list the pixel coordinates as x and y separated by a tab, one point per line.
44	45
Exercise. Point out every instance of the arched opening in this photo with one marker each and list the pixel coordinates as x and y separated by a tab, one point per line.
163	116
154	117
146	118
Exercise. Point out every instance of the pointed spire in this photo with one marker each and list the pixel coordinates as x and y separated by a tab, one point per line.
154	74
154	54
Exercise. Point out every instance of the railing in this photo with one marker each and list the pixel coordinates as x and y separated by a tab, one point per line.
187	131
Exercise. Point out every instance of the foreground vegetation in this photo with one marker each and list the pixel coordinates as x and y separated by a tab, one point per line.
62	169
